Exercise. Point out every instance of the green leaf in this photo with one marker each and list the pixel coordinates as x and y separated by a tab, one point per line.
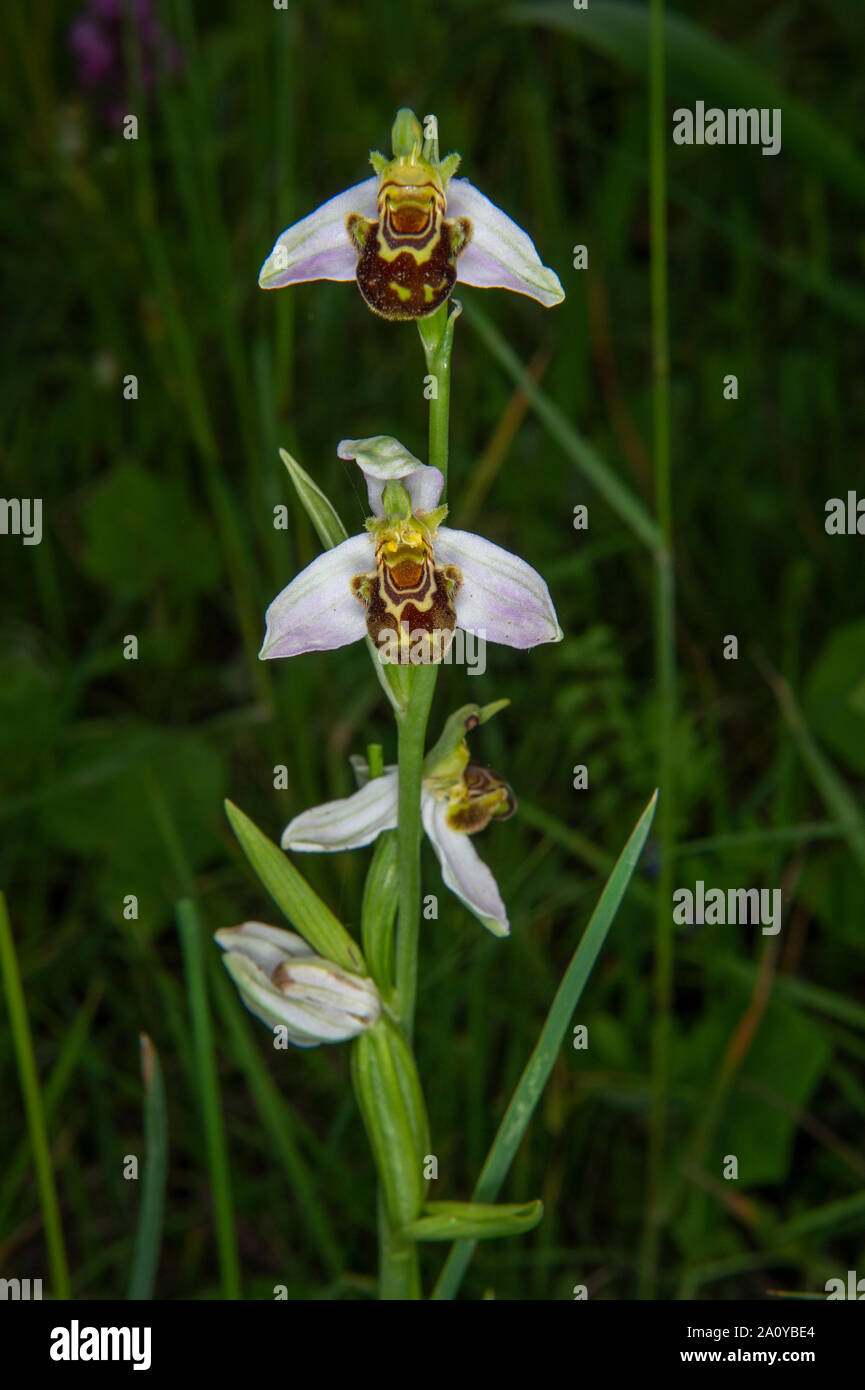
616	494
534	1078
319	509
474	1220
31	1090
836	796
700	65
142	529
389	1095
379	911
781	1069
834	699
293	895
844	1217
112	778
149	1234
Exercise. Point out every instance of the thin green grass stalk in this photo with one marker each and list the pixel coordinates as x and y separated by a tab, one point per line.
788	989
579	845
32	1093
548	1048
587	460
71	1048
148	1238
239	560
665	650
766	835
834	792
277	1119
189	928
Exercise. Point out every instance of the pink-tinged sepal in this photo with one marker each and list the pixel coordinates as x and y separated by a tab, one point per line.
317	247
501	599
317	611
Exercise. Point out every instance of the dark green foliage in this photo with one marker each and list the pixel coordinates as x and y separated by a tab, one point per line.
142	257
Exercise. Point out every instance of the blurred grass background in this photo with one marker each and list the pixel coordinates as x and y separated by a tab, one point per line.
142	257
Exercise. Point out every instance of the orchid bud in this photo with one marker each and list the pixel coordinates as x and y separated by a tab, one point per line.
286	985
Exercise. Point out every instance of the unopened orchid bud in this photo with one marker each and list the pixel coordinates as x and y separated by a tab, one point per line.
286	985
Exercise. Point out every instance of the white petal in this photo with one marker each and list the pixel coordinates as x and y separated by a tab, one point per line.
382	459
317	247
463	870
502	599
346	1002
317	611
266	946
500	254
260	997
349	823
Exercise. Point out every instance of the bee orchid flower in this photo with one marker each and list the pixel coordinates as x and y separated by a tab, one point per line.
287	985
409	234
458	798
407	581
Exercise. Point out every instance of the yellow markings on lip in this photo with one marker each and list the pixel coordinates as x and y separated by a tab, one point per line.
408	599
479	797
407	258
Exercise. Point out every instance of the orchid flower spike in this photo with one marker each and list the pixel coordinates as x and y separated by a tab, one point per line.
288	986
408	582
458	798
409	234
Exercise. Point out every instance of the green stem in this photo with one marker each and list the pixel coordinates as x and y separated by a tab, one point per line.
398	1261
399	1268
410	752
29	1078
437	337
665	652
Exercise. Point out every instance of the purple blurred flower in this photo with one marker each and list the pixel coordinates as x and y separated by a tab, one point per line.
97	40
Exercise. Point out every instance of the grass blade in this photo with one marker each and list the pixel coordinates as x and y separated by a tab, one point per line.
291	892
52	1093
542	1060
189	928
700	65
31	1091
586	459
836	797
149	1235
277	1120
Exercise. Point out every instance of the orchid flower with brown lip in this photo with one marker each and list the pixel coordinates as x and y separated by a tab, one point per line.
458	799
409	235
285	984
408	581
